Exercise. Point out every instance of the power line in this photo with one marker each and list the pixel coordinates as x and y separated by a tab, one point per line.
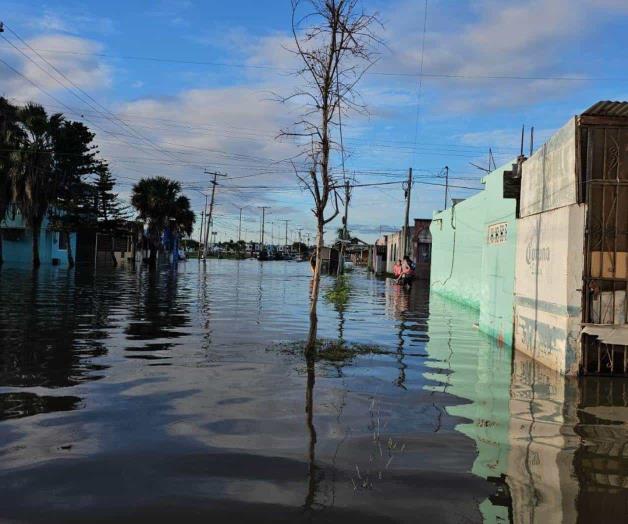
242	65
420	86
71	91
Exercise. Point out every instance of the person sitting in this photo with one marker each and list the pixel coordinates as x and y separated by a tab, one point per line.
397	270
407	271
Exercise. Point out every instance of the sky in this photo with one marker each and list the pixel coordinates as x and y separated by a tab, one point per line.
180	87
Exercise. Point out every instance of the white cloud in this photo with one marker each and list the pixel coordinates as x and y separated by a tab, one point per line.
86	71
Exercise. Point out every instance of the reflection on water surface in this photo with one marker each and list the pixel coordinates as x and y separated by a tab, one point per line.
152	397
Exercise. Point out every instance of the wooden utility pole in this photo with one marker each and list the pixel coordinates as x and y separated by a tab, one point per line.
211	209
240	227
406	221
263	208
344	227
286	238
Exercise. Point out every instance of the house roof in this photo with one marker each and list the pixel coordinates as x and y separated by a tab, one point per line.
608	108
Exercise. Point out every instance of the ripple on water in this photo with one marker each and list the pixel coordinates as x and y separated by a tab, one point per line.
115	379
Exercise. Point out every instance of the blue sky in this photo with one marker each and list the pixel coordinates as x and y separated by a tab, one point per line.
193	81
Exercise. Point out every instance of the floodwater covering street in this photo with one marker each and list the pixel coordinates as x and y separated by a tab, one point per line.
183	395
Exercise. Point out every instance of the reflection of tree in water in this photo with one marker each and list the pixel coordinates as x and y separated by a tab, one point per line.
158	312
315	476
49	329
20	404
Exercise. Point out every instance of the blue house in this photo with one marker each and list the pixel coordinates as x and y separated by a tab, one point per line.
17	242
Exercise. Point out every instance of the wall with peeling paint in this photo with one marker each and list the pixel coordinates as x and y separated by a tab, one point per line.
549	260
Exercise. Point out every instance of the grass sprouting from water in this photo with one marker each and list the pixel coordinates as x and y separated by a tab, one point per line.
339	293
333	351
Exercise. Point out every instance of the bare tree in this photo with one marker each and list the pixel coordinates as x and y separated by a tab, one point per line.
334	41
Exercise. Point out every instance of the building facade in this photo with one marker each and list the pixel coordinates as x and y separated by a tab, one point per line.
473	254
17	242
572	251
422	247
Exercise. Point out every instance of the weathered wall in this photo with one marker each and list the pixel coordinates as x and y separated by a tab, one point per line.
548	287
548	179
394	250
473	255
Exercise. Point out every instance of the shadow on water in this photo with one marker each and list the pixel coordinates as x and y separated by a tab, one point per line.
428	419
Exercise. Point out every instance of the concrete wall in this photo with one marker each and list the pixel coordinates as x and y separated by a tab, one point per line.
473	255
550	256
548	287
394	249
548	179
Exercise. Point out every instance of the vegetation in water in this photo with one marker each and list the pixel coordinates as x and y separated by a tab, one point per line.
334	351
338	294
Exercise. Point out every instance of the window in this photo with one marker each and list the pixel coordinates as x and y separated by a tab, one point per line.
497	233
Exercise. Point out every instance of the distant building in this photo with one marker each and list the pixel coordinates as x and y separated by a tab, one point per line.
422	247
379	255
394	248
17	241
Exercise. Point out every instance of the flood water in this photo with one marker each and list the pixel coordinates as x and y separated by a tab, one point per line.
178	396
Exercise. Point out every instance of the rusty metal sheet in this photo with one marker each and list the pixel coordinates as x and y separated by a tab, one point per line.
607	108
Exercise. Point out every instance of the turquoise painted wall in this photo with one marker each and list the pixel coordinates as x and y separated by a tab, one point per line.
472	266
20	252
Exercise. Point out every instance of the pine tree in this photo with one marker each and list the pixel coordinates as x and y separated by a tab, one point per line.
110	211
112	215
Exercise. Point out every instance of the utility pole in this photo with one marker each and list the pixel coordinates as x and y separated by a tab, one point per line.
200	238
286	224
211	208
344	227
408	191
446	186
200	235
263	208
240	227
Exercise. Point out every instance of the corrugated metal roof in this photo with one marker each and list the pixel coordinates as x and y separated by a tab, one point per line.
608	108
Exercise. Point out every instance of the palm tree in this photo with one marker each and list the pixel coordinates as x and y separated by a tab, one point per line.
184	216
32	169
9	138
157	201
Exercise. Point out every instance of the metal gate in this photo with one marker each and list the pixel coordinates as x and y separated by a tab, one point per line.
604	188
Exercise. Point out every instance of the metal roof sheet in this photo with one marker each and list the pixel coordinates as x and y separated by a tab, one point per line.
608	108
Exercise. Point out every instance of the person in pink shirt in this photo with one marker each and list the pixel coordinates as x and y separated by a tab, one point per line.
397	269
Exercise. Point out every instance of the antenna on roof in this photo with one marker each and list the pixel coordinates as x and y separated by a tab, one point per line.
523	128
531	140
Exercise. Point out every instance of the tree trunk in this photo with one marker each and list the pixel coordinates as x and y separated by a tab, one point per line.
316	283
69	244
112	252
152	258
36	261
309	420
